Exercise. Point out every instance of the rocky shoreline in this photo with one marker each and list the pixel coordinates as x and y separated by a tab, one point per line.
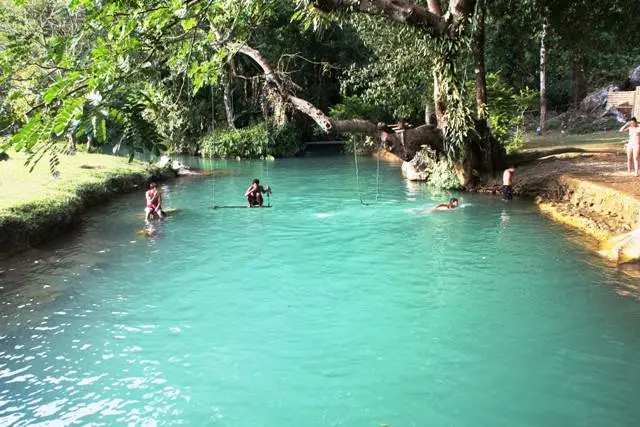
589	192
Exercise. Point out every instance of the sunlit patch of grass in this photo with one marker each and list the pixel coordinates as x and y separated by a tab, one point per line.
18	185
35	206
609	140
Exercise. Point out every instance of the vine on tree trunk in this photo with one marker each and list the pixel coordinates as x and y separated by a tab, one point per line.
457	120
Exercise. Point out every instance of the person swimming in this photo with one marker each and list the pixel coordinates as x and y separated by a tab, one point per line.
453	203
154	203
254	193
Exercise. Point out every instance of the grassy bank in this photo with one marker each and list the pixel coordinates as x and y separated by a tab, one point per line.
34	207
609	140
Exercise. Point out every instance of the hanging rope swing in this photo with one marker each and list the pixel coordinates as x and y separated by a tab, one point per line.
213	135
378	171
213	146
355	158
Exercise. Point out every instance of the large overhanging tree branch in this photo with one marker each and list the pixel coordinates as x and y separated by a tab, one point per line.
404	144
449	32
428	19
395	10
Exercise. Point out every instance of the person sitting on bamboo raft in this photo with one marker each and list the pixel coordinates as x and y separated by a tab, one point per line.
254	193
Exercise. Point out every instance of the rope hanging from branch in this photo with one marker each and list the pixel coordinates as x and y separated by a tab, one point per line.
213	135
355	158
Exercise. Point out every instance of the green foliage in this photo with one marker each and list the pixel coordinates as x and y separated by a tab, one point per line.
506	112
397	77
148	77
254	142
284	141
171	56
440	169
453	94
248	143
361	143
138	134
355	107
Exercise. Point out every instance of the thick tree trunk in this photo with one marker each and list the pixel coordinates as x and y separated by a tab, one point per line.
399	11
429	116
578	80
489	153
543	74
227	97
438	101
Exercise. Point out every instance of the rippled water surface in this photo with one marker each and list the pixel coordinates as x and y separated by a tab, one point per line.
317	312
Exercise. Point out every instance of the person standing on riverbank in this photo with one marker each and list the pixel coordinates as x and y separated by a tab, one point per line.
633	146
154	202
507	183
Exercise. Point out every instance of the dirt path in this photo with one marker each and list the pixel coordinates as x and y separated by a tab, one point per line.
604	164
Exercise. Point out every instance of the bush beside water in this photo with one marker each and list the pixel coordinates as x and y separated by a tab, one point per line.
440	170
253	142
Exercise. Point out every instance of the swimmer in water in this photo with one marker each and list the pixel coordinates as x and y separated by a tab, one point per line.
453	203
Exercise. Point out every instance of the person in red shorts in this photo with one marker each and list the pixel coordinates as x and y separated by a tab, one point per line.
154	203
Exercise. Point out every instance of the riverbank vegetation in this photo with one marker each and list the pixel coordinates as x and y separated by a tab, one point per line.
36	206
231	78
253	142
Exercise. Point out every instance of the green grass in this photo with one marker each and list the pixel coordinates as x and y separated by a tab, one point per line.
601	141
19	186
35	206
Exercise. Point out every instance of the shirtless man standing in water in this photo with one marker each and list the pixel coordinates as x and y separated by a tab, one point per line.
507	183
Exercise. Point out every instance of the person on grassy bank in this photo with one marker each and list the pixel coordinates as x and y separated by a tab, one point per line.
154	203
633	146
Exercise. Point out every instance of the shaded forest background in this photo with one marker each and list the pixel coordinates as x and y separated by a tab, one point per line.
256	78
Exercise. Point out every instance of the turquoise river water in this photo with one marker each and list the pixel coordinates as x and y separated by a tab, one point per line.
317	312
